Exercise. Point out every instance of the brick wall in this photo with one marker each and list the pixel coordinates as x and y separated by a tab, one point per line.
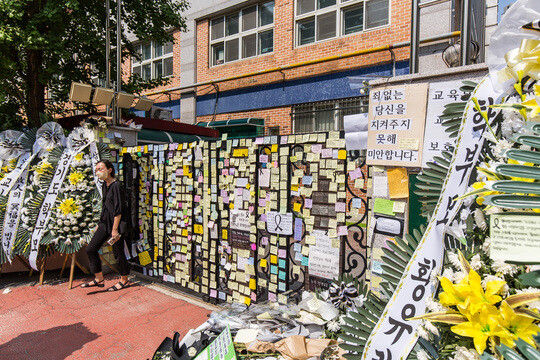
174	80
285	53
272	117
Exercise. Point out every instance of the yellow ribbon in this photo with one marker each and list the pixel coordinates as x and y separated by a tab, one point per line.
522	61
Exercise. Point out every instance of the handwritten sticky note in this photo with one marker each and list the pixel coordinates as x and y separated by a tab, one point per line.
383	206
308	203
144	258
399	206
263	263
297	207
398	183
408	144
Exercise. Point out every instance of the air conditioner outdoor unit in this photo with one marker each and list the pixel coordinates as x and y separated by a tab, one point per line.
159	113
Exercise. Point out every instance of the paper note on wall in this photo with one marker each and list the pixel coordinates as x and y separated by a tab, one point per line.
515	237
323	257
398	183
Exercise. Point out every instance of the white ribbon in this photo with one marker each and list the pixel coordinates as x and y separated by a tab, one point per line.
94	155
78	140
13	214
9	181
394	336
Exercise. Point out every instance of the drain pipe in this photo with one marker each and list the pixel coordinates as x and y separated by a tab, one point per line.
414	56
465	32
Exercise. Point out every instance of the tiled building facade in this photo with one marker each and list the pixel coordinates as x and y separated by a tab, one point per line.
228	38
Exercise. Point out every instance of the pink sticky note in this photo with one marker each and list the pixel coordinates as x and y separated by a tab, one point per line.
316	148
253	296
226	162
231	171
253	247
282	253
342	230
179	257
263	159
284	139
263	217
224	172
308	203
197	198
275	164
340	207
262	202
264	241
251	208
326	153
258	140
271	296
355	174
213	293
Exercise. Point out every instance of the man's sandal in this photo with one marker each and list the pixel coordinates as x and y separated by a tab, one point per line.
94	283
119	286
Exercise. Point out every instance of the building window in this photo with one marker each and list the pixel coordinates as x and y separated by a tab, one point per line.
319	20
156	60
96	80
325	116
243	34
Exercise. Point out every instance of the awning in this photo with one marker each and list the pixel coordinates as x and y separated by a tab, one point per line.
162	137
257	122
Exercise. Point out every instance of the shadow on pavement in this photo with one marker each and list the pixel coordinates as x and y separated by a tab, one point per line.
54	343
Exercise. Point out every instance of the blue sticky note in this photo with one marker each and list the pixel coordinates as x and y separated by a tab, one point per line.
305	261
298	229
282	286
307	180
297	246
282	263
273	269
298	256
282	275
357	203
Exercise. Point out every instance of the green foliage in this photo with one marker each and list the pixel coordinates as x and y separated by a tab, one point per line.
52	43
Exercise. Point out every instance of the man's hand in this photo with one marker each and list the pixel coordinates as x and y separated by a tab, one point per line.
114	233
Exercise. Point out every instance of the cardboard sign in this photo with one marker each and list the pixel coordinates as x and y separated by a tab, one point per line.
396	125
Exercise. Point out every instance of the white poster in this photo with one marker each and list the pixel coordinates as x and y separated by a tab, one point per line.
278	223
323	258
264	178
394	336
356	131
240	220
436	139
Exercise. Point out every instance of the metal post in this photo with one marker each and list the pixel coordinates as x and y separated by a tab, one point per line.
415	37
466	12
108	49
118	57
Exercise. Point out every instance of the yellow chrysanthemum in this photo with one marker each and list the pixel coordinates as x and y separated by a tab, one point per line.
79	156
75	177
45	165
68	206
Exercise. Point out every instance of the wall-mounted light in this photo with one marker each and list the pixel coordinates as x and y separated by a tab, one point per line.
103	96
124	100
80	92
452	54
144	104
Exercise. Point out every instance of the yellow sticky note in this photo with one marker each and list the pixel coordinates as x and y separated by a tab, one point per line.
297	207
263	263
231	206
184	232
408	144
294	187
273	259
274	148
224	234
198	229
144	258
342	154
247	300
398	183
252	284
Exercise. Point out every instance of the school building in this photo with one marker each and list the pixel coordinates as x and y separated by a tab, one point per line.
296	66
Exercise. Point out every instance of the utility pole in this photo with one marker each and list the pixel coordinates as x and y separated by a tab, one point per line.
108	49
118	58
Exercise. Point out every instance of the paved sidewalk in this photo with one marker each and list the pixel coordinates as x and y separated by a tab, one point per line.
50	322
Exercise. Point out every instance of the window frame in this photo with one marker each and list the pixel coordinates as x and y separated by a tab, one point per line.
340	107
257	30
340	7
164	56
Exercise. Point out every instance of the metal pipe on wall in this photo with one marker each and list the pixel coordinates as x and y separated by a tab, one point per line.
108	49
414	57
118	57
466	12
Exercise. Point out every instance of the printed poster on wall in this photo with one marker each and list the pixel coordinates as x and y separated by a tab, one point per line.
396	125
436	139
